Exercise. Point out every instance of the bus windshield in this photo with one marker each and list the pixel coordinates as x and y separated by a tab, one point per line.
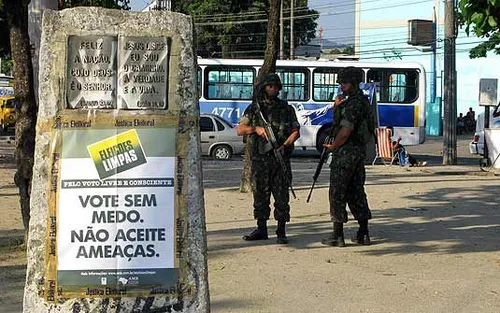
10	104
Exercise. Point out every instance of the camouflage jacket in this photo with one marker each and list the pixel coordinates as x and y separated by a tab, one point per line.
283	120
354	113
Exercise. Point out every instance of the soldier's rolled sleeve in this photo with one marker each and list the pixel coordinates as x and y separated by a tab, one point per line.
245	120
347	124
293	119
248	117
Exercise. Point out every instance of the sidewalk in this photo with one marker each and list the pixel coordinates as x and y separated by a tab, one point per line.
435	231
435	249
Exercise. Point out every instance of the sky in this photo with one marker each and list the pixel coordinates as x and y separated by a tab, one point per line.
138	5
337	19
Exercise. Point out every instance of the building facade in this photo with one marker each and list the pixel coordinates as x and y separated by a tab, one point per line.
382	33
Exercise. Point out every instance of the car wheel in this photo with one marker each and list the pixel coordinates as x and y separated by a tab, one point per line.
321	138
222	152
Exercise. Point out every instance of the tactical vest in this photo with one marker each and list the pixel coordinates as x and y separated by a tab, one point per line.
364	128
278	114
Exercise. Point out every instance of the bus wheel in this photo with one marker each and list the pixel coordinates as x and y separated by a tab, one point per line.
322	137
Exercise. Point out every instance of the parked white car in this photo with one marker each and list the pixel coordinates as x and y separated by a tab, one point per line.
477	144
219	138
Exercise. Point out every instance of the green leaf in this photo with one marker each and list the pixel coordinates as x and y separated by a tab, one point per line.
494	3
477	18
492	21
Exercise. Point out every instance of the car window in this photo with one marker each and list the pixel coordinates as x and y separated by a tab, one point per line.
220	126
206	124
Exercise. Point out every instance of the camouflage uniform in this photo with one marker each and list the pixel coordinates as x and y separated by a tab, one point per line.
267	175
347	174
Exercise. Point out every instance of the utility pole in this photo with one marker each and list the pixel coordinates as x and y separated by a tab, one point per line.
433	86
282	34
292	39
450	86
435	47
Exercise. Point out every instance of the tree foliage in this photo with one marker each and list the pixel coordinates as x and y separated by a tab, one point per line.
63	4
7	66
349	50
4	34
111	4
482	17
224	28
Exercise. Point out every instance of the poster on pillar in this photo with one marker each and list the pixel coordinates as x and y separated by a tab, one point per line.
116	211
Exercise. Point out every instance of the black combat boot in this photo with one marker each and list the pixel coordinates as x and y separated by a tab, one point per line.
362	236
336	239
281	233
258	234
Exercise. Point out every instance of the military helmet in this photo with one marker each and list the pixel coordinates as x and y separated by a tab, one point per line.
351	75
272	79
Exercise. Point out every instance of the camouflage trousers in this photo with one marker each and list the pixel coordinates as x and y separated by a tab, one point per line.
267	179
347	180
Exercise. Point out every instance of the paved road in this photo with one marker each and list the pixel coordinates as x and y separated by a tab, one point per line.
227	174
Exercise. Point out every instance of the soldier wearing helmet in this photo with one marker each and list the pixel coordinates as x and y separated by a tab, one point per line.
267	177
353	120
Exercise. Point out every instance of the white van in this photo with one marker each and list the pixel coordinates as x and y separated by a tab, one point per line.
477	144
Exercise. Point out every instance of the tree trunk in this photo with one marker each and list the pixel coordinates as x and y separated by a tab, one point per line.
26	110
270	57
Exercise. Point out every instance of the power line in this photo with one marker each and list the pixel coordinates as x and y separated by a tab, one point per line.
345	38
363	54
259	13
309	15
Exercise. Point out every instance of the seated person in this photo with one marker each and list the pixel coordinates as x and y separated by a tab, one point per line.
398	147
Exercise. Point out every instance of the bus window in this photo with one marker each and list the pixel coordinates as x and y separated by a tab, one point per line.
374	77
325	85
198	82
295	84
395	85
229	83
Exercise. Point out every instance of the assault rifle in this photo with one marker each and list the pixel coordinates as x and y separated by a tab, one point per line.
274	144
322	159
